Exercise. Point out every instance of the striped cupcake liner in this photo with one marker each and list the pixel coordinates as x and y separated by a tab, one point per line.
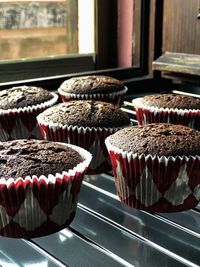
21	123
38	206
115	97
147	114
156	184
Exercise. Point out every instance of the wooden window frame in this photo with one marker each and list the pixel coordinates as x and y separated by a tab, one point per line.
107	49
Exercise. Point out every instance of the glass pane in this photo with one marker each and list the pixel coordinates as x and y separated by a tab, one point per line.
32	29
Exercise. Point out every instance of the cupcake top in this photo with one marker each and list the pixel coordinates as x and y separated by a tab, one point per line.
171	101
85	113
21	158
23	96
91	85
161	139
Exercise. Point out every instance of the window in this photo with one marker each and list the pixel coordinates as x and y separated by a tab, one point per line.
60	38
30	29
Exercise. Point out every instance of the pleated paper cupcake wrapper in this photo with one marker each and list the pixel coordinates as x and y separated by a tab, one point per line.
156	184
34	207
115	97
91	139
21	123
146	114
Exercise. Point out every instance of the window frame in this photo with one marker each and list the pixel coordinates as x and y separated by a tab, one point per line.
50	72
107	54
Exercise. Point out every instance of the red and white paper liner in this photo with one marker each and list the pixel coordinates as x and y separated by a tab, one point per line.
34	207
148	114
21	123
115	97
155	184
91	139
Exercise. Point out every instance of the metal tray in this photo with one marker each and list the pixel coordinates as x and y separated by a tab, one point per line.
105	232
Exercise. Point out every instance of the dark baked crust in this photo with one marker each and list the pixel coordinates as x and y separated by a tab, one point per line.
158	139
21	158
171	101
91	85
86	113
23	96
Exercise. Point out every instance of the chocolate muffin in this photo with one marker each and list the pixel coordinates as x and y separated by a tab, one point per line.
171	101
23	96
156	166
158	139
39	186
35	157
85	124
89	113
171	108
92	84
97	87
19	107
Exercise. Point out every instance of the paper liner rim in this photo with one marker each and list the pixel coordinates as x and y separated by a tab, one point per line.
56	126
120	92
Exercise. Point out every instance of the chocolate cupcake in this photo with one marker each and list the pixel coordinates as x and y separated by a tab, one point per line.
85	124
168	108
93	87
19	107
156	166
40	182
